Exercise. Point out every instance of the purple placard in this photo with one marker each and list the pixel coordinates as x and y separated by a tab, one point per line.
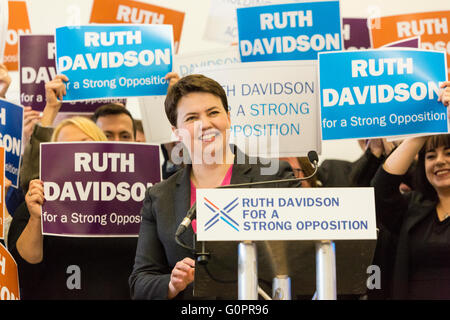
405	43
355	33
96	189
37	66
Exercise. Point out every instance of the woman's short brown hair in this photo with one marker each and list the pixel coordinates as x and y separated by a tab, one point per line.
189	84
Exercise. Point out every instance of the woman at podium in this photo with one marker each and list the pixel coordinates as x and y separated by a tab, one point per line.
197	109
419	219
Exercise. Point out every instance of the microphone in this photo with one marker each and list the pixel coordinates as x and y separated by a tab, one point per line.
313	158
186	221
192	213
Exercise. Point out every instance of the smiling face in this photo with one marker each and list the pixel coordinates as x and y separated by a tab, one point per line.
202	125
437	167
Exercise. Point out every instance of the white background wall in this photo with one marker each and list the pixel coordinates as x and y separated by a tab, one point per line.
46	15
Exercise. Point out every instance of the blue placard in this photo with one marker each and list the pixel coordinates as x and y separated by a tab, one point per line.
114	60
296	31
381	93
11	128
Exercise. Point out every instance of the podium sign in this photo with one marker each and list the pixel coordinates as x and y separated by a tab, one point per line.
286	214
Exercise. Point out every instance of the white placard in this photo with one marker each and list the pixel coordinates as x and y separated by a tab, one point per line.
274	106
157	127
185	64
286	214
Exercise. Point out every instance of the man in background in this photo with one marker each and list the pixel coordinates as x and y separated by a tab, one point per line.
116	122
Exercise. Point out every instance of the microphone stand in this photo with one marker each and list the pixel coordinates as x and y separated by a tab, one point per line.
247	256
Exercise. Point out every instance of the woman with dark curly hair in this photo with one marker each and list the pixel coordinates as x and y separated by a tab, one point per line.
419	219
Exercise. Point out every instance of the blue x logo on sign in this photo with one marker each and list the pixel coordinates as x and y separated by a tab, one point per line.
221	214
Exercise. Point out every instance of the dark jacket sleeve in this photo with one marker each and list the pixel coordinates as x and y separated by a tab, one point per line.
390	204
18	224
334	173
151	275
364	169
29	274
29	169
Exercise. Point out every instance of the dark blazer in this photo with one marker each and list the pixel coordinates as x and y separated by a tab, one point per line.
399	213
340	173
335	173
165	205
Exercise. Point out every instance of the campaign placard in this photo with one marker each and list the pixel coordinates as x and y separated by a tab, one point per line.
106	61
355	34
9	277
381	93
273	106
37	66
432	27
96	189
11	127
293	31
286	214
130	11
18	23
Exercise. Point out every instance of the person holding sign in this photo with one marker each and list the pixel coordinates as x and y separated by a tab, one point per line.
420	219
25	238
42	131
197	109
53	267
14	196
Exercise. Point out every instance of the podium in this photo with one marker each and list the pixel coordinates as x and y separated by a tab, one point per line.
238	260
296	259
